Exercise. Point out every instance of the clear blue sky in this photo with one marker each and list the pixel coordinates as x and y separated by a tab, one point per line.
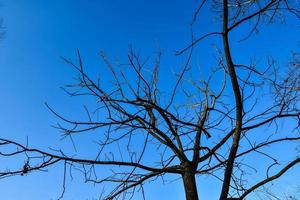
38	32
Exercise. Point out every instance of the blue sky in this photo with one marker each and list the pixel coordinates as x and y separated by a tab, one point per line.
38	32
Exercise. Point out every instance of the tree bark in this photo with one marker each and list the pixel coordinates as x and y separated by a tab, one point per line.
190	185
238	105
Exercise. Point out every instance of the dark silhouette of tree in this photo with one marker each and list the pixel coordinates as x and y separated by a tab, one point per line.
198	127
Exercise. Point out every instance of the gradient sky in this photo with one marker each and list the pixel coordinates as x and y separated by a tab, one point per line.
38	32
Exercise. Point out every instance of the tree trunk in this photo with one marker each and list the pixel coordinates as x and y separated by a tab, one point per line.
190	187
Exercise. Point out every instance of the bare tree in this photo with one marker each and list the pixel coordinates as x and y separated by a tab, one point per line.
200	127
